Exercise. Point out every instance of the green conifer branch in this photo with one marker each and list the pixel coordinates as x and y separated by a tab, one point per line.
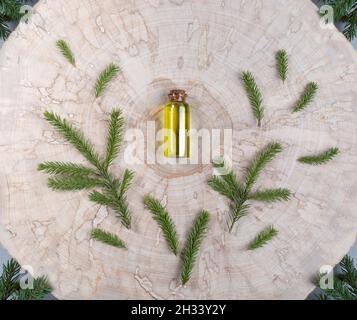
115	137
259	163
282	64
239	210
108	238
66	169
263	237
75	137
41	288
322	158
66	51
109	73
194	241
9	11
68	176
165	222
254	95
271	195
10	288
344	284
239	193
350	29
307	97
100	198
73	183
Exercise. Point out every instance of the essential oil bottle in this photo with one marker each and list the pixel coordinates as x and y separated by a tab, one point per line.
177	122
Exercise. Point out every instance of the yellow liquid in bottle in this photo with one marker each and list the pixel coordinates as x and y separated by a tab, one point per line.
177	126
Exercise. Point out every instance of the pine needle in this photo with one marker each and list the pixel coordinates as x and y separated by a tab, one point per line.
271	195
322	158
107	238
66	51
282	64
262	238
194	242
115	136
70	176
164	221
307	97
109	73
254	95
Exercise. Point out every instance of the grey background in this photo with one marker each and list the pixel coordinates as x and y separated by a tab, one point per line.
4	256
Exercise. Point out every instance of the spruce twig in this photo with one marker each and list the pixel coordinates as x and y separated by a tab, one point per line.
307	97
9	11
69	176
322	158
263	237
164	221
344	284
282	64
254	95
259	163
10	288
109	73
345	11
194	241
108	238
41	288
66	169
239	193
66	51
115	137
271	195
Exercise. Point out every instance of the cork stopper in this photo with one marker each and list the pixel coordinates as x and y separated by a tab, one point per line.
177	95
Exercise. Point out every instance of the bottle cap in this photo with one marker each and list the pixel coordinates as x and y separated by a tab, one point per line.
177	95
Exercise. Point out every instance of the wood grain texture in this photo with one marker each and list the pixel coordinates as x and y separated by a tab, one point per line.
200	46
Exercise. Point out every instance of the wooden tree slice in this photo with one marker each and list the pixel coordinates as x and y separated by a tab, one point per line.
201	47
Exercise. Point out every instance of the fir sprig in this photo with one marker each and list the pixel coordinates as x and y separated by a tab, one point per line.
69	176
10	288
254	95
307	97
263	237
195	238
108	238
66	51
109	73
9	11
271	195
41	288
345	11
66	169
164	221
344	284
115	136
322	158
282	64
239	193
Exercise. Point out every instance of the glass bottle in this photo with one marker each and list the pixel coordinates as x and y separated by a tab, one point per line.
177	122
